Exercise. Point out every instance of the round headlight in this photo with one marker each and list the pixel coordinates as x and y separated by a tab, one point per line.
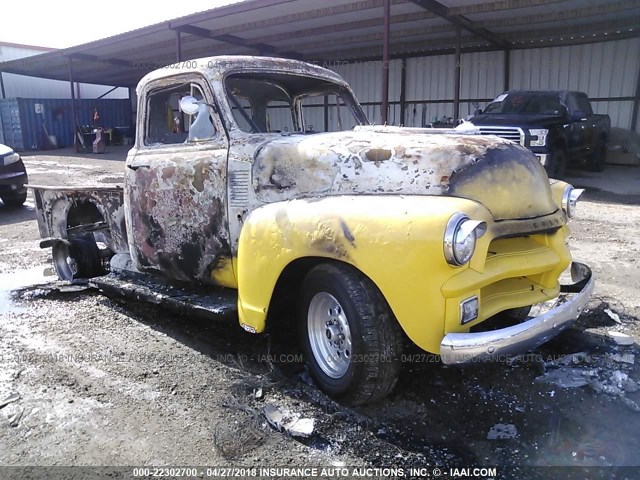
570	199
460	238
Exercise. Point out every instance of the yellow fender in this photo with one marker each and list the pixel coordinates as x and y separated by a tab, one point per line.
396	241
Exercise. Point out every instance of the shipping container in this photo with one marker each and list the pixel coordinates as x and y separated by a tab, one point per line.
44	123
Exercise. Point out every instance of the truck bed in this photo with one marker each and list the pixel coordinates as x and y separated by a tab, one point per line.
60	208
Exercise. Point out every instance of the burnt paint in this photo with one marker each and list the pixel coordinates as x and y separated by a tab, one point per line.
511	183
178	212
53	205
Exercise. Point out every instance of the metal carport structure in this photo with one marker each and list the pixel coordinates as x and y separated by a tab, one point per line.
338	31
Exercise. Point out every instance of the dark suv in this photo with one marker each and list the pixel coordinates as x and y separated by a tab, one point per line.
13	178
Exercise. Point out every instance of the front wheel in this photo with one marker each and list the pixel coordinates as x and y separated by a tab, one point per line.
518	315
351	339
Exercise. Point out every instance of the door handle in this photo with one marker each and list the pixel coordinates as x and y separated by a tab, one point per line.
135	167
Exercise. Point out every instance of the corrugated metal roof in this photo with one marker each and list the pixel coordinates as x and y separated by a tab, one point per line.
338	29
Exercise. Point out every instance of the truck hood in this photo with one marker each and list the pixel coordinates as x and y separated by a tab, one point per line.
518	120
505	178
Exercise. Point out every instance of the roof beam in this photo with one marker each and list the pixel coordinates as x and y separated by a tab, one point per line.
399	50
346	27
595	11
375	37
460	21
105	61
576	40
225	11
333	11
149	52
233	40
485	7
578	30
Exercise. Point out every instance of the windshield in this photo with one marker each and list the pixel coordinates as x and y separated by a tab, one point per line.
526	102
276	103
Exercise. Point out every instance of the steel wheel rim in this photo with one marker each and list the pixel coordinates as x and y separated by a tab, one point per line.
65	265
329	335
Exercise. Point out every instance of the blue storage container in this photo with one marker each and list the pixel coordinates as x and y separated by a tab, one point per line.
27	123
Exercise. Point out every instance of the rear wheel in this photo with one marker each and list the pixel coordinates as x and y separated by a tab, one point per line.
351	339
77	258
14	200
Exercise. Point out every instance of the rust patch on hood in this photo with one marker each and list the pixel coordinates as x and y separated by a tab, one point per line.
378	154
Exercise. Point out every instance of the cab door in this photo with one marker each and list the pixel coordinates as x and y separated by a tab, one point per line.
176	200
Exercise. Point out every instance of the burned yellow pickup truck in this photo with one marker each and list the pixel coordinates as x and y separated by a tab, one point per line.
257	188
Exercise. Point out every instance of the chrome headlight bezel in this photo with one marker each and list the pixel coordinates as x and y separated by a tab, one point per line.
541	137
460	238
11	158
570	198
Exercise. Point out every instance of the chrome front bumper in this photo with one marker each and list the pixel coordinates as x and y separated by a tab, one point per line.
464	348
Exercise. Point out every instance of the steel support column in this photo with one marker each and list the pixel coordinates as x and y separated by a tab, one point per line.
4	95
74	117
385	61
403	90
456	93
326	113
134	111
636	104
178	47
507	68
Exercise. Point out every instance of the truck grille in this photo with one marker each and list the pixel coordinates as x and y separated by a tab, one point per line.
508	133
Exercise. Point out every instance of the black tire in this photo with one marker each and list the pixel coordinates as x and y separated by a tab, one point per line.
599	158
557	164
375	336
77	258
14	200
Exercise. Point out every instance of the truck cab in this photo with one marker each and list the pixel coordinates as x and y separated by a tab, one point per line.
262	177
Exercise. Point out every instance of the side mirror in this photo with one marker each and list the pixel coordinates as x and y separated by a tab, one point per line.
189	105
477	111
578	116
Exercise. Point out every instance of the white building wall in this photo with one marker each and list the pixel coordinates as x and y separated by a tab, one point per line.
607	69
602	70
365	79
32	87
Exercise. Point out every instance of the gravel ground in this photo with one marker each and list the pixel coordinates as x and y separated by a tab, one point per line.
110	382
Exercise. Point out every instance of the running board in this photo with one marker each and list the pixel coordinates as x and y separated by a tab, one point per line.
205	302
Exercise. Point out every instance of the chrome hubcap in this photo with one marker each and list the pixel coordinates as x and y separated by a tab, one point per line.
329	335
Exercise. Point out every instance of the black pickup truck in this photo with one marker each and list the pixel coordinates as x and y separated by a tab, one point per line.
557	126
